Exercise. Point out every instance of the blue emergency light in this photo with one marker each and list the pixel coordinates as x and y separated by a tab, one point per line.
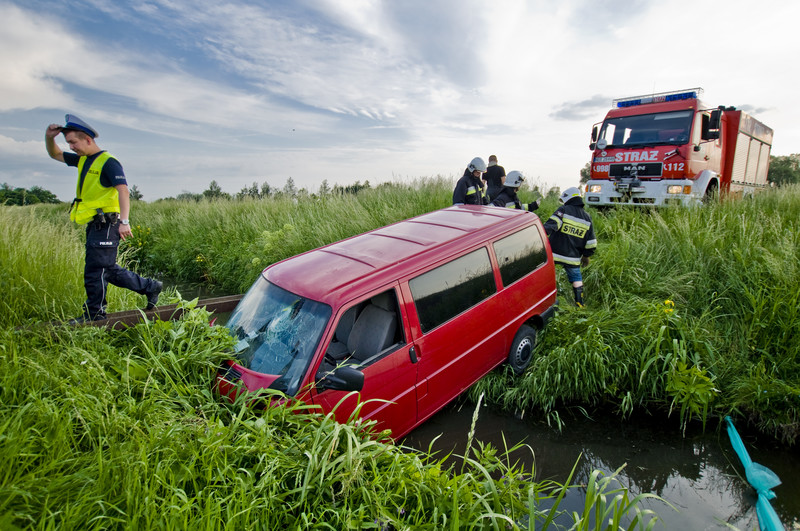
661	97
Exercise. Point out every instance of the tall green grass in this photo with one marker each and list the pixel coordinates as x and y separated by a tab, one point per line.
121	430
41	267
691	311
229	242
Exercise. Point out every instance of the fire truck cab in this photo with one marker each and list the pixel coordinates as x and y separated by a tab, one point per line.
669	148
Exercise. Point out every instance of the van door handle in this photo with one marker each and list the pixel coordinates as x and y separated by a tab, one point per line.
412	353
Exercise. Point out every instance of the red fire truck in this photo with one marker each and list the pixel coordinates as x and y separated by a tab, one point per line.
668	148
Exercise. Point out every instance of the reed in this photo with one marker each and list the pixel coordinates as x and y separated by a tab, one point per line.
692	311
121	430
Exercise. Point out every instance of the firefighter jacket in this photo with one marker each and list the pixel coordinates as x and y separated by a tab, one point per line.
508	198
470	191
91	197
571	233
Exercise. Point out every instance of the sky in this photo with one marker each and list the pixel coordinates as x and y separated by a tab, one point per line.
185	92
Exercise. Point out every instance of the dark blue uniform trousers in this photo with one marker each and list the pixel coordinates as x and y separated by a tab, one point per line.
101	269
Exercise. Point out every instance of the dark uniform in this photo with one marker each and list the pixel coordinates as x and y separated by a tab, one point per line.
469	190
97	205
508	198
572	238
494	180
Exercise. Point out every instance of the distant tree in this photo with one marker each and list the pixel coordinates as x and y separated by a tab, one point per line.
42	195
266	190
249	191
289	188
21	196
586	173
351	188
135	194
324	188
189	196
784	169
215	192
553	192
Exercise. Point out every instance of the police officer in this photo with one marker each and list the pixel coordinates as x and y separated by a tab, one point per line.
470	189
102	202
572	239
508	195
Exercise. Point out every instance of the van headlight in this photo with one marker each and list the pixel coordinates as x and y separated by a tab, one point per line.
595	188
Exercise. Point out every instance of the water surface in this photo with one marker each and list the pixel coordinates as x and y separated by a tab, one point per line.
699	474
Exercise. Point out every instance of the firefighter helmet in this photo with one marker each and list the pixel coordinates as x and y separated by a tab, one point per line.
514	179
568	194
477	164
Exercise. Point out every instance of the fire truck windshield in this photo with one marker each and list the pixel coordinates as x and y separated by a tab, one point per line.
667	128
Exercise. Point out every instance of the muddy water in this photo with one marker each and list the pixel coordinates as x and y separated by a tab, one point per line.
700	475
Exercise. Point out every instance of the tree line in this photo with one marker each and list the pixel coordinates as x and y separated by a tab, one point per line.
266	191
783	170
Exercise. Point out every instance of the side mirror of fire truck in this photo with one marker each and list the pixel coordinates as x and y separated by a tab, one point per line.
711	127
716	119
593	144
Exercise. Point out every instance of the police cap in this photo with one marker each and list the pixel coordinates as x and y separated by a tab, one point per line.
76	124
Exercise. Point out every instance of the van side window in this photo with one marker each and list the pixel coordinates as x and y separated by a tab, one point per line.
448	290
519	254
367	330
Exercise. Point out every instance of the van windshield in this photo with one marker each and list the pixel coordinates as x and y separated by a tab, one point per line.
648	129
278	332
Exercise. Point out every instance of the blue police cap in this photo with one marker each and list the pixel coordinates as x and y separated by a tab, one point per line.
76	124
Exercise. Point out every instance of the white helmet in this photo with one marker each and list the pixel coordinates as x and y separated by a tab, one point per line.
477	164
514	179
568	194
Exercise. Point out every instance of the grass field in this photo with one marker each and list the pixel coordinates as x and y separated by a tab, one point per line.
691	314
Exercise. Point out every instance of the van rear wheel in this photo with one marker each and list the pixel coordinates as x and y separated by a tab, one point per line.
521	353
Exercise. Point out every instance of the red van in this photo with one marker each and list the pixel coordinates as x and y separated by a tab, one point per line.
412	314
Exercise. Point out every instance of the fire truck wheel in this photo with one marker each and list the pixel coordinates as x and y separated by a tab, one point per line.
521	352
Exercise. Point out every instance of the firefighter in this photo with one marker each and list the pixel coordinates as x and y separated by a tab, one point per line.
470	189
102	203
508	195
572	238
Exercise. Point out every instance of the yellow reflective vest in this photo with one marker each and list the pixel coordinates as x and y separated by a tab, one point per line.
93	196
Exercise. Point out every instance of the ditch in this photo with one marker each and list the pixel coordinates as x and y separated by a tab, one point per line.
699	474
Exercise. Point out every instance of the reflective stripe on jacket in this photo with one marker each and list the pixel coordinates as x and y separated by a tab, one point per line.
571	233
92	195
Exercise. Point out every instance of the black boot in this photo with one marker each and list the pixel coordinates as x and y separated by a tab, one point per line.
578	296
152	294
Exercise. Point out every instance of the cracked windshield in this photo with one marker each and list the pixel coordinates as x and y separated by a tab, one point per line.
278	332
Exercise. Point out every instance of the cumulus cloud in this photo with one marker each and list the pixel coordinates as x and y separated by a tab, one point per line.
370	88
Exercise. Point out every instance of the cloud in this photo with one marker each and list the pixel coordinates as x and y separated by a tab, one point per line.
581	110
15	148
186	91
754	109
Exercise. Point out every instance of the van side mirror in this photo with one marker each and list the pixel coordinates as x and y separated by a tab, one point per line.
343	378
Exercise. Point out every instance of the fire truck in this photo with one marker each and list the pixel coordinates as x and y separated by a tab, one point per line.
670	149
